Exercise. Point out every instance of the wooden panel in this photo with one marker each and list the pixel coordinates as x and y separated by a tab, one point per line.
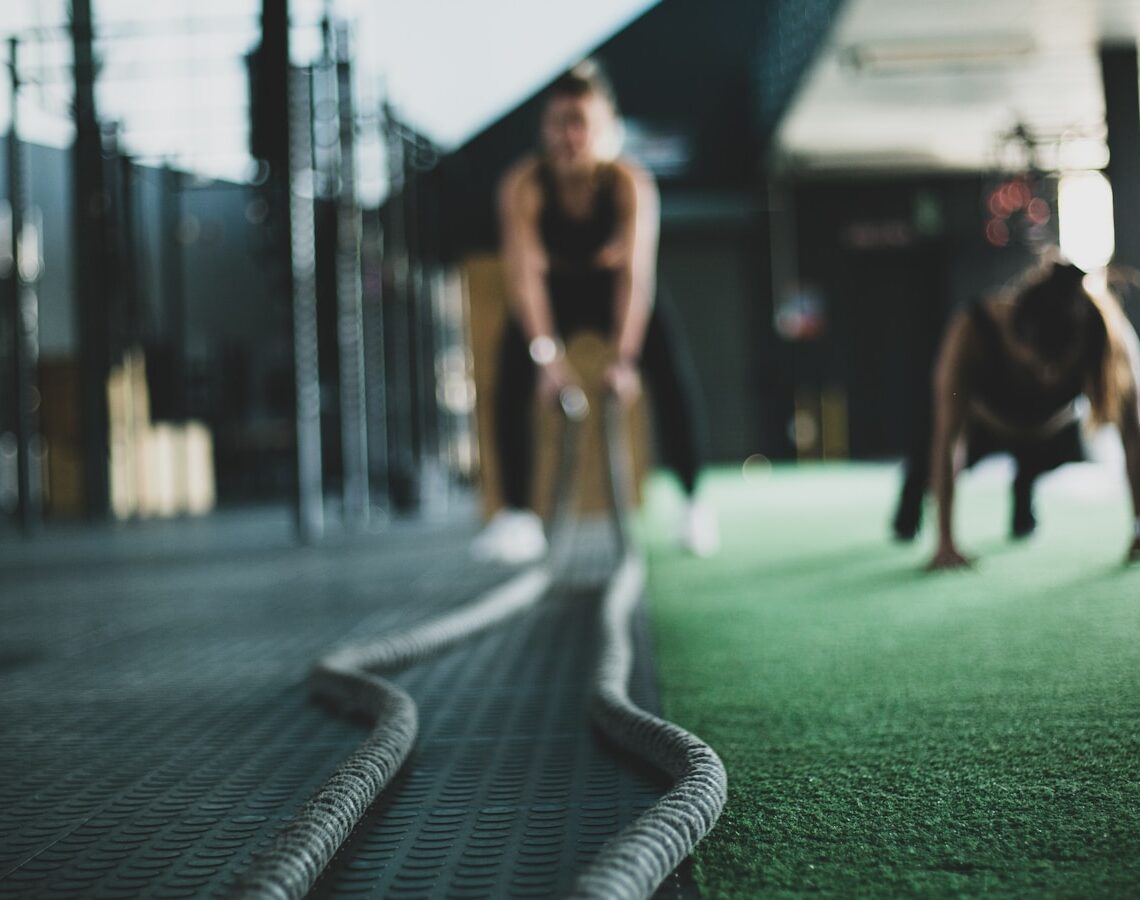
61	433
486	293
59	413
156	469
589	354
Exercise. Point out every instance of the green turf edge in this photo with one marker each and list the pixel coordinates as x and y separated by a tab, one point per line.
888	732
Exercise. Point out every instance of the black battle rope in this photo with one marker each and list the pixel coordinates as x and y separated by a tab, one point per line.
631	865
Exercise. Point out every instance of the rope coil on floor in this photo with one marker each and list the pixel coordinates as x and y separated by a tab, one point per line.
640	858
631	865
346	679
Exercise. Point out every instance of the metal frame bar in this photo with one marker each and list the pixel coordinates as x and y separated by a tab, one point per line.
350	326
21	299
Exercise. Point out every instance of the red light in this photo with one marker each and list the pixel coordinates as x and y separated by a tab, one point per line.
1038	211
997	232
1011	196
1020	194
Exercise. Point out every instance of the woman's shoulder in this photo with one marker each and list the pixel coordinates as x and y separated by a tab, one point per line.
520	183
985	311
998	307
522	171
976	330
630	180
629	171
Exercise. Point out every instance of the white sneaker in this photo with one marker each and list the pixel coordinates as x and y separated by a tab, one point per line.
700	530
512	536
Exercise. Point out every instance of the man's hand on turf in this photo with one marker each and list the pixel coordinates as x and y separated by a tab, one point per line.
947	556
1133	551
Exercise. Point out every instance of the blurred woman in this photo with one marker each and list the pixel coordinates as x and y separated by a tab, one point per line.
1016	373
579	232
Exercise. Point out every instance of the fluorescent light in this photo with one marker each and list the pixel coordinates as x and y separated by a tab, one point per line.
937	53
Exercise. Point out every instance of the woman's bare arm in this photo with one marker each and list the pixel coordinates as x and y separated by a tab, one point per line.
951	400
633	254
524	257
1130	432
526	262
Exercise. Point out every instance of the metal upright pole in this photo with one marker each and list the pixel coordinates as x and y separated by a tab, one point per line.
424	230
116	261
1119	73
174	288
128	255
375	358
414	309
306	361
350	331
90	205
282	138
22	307
402	457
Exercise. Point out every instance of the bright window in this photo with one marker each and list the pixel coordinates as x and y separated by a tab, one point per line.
1084	201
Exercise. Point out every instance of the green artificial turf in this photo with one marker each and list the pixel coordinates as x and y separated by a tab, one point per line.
890	732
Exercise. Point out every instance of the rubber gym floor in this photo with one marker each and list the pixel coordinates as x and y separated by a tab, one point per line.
156	730
885	732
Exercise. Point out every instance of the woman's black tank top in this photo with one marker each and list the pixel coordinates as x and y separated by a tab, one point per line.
572	242
581	293
1008	391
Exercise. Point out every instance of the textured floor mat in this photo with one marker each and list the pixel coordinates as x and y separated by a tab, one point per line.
156	728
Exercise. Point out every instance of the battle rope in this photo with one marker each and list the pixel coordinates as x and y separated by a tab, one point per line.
348	679
635	862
